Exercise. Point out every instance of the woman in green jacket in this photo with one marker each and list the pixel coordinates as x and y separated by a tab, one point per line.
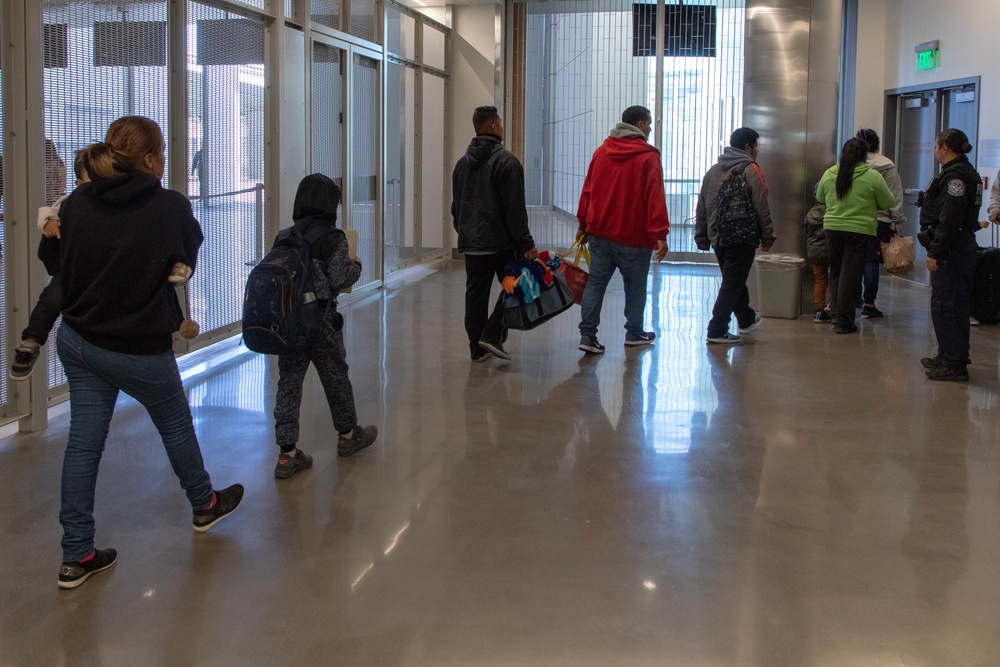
853	193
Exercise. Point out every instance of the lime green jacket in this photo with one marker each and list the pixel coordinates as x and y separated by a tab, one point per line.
858	211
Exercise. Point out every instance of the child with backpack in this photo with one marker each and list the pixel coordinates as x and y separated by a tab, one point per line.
330	269
45	313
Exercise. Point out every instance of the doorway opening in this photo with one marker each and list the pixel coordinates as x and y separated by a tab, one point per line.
913	118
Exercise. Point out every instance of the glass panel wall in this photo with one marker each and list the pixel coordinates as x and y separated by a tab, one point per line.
400	168
365	168
587	62
328	112
226	148
433	171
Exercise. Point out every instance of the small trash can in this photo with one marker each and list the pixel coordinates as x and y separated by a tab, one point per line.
779	285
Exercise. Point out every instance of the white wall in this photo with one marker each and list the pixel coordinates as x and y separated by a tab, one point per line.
472	75
967	30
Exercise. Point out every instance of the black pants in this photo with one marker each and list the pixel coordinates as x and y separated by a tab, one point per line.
734	297
951	301
480	272
848	256
45	313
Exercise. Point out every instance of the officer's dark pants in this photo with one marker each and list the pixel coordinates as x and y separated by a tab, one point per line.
951	301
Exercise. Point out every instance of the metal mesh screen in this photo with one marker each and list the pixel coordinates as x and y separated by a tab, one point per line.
434	51
365	162
702	105
103	61
363	20
326	12
226	145
289	10
432	160
581	70
400	32
400	166
328	112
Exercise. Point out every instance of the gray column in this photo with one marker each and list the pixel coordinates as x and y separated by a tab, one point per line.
791	97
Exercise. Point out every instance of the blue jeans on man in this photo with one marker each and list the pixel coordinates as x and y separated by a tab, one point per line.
633	264
96	376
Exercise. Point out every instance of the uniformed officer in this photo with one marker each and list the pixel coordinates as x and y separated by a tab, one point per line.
948	223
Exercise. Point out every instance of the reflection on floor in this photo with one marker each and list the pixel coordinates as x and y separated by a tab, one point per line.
801	499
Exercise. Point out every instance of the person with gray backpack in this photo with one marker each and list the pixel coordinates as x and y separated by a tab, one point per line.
733	218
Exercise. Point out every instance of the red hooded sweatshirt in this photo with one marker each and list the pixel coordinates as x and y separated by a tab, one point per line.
622	196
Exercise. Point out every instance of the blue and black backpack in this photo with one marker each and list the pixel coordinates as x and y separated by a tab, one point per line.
280	310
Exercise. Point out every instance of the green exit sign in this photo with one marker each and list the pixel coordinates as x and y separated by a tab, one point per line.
928	55
927	60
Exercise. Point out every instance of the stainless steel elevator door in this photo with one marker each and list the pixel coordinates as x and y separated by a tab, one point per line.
918	127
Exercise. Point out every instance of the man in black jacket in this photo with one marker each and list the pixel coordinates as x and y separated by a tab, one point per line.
492	224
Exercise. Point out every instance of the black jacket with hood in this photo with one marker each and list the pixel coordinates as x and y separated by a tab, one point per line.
488	199
330	264
119	238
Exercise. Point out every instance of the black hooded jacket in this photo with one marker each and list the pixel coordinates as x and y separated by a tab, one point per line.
119	239
330	263
488	199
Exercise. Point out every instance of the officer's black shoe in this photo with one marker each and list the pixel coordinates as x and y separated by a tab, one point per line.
937	362
932	362
948	374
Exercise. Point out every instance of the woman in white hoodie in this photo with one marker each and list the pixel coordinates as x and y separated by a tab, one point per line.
887	219
994	209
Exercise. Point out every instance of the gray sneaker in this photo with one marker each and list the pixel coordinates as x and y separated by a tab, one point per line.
591	345
290	465
725	339
358	439
644	338
496	349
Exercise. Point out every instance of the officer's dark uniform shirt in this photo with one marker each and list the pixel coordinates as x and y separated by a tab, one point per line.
951	207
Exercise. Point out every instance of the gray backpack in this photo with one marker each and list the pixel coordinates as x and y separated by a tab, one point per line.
738	223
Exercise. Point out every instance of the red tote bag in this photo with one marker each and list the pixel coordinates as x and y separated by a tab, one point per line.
576	277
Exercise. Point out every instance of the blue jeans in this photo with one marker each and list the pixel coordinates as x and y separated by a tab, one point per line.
95	377
633	264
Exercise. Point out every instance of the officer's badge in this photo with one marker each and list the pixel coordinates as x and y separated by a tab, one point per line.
956	187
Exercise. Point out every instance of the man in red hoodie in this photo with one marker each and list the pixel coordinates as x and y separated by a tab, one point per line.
623	217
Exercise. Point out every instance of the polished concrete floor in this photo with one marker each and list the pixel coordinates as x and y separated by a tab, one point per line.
801	499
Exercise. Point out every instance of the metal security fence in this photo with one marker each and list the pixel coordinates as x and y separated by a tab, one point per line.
216	75
576	65
226	80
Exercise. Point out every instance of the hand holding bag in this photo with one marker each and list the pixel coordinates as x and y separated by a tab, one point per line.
576	278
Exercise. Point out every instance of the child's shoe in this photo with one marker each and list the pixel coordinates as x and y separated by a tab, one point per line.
25	356
292	463
356	440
